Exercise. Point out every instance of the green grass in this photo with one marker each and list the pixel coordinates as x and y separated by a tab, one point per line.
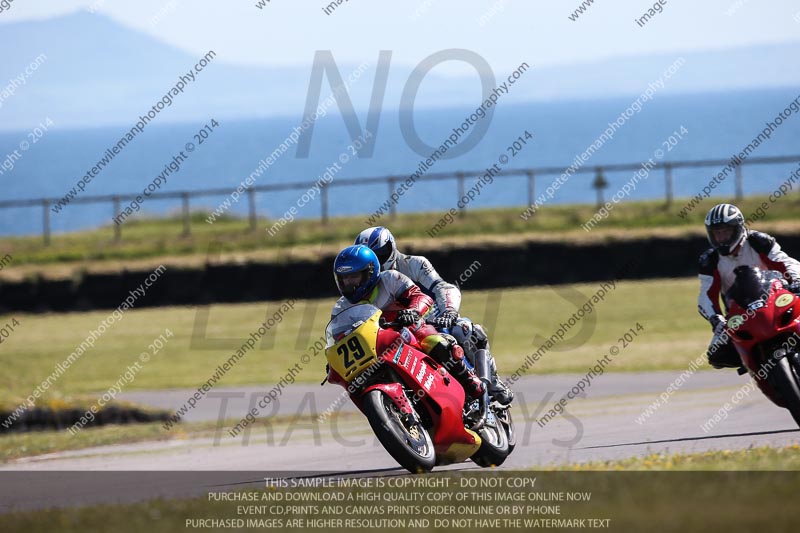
751	459
18	445
147	238
673	335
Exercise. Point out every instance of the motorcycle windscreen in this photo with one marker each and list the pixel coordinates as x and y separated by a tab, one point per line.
752	286
351	337
346	321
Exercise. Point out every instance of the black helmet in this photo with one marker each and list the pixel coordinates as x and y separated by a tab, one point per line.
721	217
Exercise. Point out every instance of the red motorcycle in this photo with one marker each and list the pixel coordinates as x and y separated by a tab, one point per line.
414	406
764	323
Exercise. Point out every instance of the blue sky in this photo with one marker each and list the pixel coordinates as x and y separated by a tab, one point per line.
287	32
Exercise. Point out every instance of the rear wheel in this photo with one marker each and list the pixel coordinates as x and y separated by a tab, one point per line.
505	418
785	381
495	446
401	435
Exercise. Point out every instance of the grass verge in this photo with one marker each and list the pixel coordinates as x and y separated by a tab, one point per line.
519	321
149	238
18	445
751	459
30	444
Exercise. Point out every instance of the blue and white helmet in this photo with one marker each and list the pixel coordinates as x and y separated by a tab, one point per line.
725	216
381	241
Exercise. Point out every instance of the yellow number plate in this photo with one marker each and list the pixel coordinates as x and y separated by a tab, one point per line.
355	352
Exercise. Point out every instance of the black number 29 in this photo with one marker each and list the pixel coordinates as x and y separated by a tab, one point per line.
354	346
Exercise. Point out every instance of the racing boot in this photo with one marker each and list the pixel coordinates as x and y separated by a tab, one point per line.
451	355
498	390
473	386
478	340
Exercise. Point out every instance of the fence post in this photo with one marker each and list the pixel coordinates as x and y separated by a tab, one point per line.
186	216
251	200
324	203
668	183
739	184
117	227
531	192
460	178
46	222
392	206
599	184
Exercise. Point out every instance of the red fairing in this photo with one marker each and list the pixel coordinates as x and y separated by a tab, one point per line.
390	340
402	370
393	391
335	378
763	324
439	393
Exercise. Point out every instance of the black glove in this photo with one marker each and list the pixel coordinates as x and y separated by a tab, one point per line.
718	323
793	287
407	317
447	320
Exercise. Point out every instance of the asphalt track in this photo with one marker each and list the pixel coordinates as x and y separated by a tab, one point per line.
601	426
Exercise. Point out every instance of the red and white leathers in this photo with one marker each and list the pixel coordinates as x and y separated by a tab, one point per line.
394	292
470	336
716	271
446	296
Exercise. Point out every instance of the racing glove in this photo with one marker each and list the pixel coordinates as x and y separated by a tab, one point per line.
718	323
407	317
447	319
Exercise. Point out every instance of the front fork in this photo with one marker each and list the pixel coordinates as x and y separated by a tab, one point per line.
483	370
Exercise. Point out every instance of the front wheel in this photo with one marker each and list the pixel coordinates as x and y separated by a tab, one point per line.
784	380
406	440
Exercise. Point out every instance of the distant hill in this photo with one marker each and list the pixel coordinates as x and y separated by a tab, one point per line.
99	72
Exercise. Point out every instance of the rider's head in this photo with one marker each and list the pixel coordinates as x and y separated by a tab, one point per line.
725	228
356	272
381	241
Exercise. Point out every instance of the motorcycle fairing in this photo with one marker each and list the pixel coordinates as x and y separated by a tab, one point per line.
441	394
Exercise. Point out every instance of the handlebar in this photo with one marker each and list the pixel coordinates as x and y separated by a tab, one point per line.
395	324
390	325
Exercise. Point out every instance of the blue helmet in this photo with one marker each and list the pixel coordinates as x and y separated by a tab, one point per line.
381	241
356	271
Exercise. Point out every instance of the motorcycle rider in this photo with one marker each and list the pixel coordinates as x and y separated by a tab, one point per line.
733	245
470	336
360	280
